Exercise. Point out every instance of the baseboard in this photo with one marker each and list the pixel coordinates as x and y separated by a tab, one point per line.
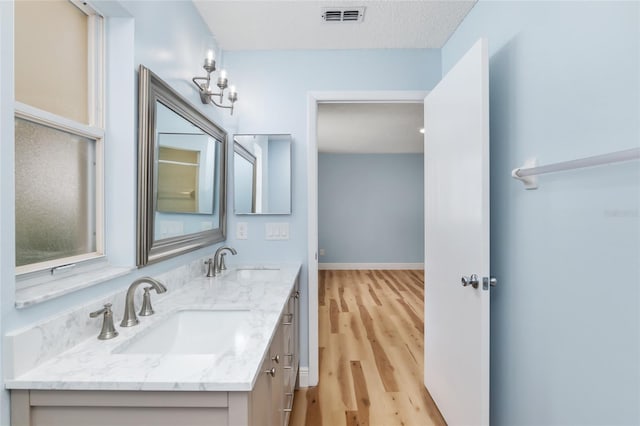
376	266
303	377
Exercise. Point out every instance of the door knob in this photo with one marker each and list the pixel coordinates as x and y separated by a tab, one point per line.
472	281
489	281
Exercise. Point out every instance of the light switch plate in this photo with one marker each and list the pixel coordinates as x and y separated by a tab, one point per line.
276	231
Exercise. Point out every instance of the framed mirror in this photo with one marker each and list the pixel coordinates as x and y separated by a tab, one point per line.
181	174
262	174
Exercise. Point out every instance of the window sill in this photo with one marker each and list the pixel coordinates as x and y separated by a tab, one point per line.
58	287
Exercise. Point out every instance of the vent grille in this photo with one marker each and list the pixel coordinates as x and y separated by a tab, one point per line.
337	14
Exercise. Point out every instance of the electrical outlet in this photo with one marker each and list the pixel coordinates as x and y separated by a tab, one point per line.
242	231
321	252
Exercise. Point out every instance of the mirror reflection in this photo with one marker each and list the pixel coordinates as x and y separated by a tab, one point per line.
262	174
186	165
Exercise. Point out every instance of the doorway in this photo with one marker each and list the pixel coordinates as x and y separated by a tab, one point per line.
314	99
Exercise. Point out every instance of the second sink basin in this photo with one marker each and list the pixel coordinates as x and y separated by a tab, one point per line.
196	331
257	274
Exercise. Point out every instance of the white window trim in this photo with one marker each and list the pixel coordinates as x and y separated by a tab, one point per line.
36	273
119	35
45	118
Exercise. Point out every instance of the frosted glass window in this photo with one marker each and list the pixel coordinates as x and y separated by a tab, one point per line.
52	57
55	193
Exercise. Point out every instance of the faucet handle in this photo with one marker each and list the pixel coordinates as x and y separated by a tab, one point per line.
223	266
108	330
211	267
146	308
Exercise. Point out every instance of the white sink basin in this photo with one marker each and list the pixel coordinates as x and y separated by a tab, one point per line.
257	274
193	332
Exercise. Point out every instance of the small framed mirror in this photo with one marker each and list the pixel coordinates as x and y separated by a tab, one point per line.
262	174
181	174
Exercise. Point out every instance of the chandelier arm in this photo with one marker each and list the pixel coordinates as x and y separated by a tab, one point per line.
199	85
221	106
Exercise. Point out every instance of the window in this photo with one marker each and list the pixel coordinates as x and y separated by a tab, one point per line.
59	134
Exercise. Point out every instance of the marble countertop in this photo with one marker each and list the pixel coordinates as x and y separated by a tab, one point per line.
91	365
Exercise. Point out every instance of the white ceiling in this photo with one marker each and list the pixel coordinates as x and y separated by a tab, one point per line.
372	128
262	25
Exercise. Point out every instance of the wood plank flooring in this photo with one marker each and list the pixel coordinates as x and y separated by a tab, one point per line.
371	353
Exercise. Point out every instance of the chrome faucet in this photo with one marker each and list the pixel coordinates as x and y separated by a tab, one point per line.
216	264
130	319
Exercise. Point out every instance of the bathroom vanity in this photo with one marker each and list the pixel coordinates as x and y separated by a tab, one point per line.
218	351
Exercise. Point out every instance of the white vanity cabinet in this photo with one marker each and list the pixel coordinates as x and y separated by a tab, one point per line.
266	399
272	395
268	403
263	406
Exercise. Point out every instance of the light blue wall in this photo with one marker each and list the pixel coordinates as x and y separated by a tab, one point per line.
7	206
168	39
273	87
566	313
371	208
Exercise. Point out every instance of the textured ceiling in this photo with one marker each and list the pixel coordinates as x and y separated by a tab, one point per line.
263	25
379	128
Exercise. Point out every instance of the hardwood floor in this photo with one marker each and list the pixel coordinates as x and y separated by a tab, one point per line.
371	353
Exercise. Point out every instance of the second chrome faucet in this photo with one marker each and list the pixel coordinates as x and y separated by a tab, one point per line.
215	265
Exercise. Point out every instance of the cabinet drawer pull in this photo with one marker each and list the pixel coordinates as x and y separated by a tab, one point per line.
276	359
288	321
271	372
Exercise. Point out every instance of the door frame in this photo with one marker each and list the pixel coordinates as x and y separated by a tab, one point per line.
313	99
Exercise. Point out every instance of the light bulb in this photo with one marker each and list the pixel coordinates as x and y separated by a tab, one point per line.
223	75
211	55
233	96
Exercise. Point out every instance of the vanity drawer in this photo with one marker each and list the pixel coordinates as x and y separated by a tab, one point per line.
126	408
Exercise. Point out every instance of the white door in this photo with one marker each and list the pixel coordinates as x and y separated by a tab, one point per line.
456	342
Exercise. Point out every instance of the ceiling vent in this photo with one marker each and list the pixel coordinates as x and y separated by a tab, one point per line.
343	14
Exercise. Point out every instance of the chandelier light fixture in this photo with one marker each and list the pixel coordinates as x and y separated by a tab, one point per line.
204	84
